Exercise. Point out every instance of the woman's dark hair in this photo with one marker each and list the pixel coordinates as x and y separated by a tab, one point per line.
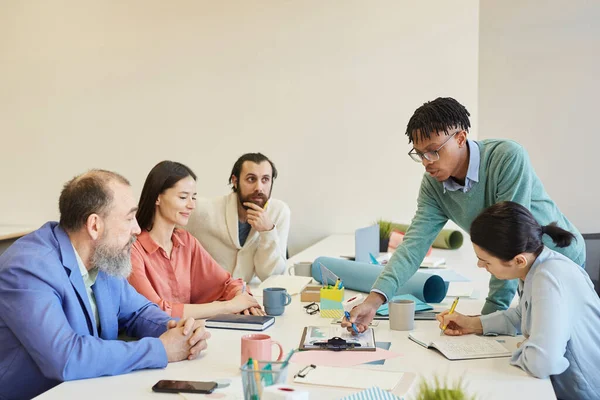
437	116
507	229
163	176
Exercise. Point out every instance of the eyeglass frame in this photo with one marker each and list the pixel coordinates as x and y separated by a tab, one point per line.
424	156
312	308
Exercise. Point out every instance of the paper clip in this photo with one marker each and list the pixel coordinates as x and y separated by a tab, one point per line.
336	344
304	371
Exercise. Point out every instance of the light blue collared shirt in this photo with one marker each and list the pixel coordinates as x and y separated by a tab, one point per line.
472	172
559	316
89	278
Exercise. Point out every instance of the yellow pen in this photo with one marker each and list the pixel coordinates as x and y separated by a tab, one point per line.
454	304
266	204
257	377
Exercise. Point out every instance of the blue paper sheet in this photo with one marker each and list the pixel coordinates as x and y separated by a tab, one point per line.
419	305
380	345
361	277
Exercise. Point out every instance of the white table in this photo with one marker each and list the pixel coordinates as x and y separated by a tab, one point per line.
488	378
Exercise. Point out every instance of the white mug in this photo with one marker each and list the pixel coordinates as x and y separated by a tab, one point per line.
301	269
402	315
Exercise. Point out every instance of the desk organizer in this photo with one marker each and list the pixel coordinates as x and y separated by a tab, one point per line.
331	302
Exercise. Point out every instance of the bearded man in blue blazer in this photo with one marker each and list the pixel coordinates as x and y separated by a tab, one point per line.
64	297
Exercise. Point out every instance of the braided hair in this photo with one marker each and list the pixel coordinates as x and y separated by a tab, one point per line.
437	116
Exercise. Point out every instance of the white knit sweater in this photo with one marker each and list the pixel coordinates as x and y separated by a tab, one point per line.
215	224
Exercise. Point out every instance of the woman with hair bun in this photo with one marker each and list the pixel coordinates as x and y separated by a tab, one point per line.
558	312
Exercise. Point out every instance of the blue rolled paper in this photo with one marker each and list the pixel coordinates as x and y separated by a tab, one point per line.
361	277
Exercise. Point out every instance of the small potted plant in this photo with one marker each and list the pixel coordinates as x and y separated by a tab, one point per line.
441	391
385	230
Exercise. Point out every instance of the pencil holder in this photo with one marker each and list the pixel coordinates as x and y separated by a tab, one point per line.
255	380
331	303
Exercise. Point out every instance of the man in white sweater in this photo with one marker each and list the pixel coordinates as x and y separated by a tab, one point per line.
246	231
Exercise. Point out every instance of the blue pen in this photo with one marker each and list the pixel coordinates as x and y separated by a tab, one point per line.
347	314
373	259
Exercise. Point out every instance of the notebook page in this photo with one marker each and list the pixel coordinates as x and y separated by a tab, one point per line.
469	346
356	378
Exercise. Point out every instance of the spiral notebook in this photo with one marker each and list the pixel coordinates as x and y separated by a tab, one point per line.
460	347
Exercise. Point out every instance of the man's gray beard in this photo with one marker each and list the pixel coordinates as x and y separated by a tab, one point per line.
111	261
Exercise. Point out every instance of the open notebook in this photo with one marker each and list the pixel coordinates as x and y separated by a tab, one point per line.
460	347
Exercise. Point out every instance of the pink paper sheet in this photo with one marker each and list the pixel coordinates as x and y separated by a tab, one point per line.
340	358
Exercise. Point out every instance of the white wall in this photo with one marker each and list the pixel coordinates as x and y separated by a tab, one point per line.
323	88
539	82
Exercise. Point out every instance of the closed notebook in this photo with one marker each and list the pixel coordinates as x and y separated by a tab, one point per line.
460	347
240	322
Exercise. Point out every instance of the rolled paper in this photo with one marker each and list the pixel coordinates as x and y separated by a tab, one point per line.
446	239
361	277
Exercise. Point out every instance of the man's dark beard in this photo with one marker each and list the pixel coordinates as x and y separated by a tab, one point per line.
248	199
113	261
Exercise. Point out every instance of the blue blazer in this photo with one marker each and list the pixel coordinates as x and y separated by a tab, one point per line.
47	332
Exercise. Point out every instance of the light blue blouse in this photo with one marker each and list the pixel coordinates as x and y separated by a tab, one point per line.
559	315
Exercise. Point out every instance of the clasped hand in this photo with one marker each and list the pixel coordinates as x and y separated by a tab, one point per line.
184	339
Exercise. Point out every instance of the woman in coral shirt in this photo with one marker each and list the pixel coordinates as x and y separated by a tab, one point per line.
170	267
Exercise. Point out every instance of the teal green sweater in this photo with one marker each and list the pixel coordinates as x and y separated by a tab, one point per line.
505	173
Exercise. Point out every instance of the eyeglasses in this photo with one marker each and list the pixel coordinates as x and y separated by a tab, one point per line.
312	308
430	156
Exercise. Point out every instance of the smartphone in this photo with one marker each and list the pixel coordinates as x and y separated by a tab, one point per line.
184	387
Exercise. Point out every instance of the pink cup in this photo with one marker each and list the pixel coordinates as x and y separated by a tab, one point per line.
258	347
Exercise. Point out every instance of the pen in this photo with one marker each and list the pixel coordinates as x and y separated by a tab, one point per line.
257	378
337	283
243	287
354	328
451	311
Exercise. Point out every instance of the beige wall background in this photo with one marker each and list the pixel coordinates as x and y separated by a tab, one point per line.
539	81
325	89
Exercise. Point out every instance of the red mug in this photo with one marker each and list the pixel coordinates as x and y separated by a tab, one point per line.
258	347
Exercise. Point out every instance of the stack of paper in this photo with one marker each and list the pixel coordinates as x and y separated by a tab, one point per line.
350	378
433	262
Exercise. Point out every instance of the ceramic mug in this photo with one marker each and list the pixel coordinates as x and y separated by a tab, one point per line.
301	269
258	346
275	300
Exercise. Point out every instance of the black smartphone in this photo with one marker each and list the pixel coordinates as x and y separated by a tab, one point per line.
184	387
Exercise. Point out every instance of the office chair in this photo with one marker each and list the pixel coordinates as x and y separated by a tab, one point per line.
592	258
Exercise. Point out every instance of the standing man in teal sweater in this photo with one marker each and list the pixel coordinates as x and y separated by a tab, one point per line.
463	177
